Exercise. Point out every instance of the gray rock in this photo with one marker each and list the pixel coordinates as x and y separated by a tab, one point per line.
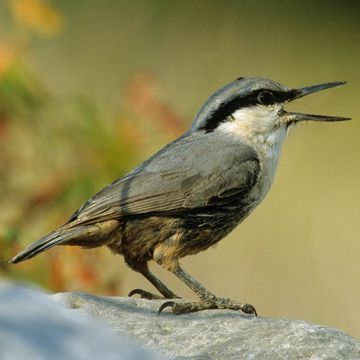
215	334
35	327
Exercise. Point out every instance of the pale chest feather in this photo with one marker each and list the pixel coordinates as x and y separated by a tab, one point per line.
269	149
265	140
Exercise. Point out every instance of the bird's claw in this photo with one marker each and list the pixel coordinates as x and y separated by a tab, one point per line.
249	309
165	305
144	294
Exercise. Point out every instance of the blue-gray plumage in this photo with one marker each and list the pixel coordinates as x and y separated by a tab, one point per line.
194	191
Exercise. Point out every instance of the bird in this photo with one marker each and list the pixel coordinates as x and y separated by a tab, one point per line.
194	191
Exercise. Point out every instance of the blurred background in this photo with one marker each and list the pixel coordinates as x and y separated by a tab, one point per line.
89	89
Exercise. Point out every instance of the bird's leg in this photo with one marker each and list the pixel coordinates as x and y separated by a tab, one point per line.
193	284
207	299
160	286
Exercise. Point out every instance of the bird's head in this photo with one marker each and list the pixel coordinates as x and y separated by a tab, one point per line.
251	106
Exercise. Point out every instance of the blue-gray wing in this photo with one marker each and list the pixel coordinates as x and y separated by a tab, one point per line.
190	173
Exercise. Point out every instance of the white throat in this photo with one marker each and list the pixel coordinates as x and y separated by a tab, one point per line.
258	127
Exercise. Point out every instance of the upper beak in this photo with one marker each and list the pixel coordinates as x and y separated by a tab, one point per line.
291	117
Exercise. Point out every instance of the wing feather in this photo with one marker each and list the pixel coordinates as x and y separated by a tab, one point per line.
174	181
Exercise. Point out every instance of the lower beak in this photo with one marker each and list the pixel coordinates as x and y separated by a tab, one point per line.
291	117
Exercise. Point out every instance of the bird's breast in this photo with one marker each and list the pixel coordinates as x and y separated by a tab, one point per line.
268	148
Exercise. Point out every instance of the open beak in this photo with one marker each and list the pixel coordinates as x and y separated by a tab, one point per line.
291	117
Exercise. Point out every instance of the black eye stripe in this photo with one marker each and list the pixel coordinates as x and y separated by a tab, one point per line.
278	96
223	112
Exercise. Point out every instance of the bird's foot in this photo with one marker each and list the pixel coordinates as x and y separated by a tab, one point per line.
183	307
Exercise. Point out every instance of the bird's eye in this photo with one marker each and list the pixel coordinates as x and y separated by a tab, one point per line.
266	98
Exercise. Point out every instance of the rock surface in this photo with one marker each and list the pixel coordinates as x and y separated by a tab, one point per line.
82	326
216	334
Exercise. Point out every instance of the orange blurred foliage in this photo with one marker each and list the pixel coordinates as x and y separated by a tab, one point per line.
38	15
143	98
7	57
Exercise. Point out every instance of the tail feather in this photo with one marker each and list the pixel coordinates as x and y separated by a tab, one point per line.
89	235
57	237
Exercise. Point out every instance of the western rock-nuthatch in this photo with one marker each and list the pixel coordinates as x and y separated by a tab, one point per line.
194	191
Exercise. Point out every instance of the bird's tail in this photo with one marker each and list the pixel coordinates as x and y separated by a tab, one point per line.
86	235
56	237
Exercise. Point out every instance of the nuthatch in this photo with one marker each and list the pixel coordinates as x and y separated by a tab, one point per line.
194	191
